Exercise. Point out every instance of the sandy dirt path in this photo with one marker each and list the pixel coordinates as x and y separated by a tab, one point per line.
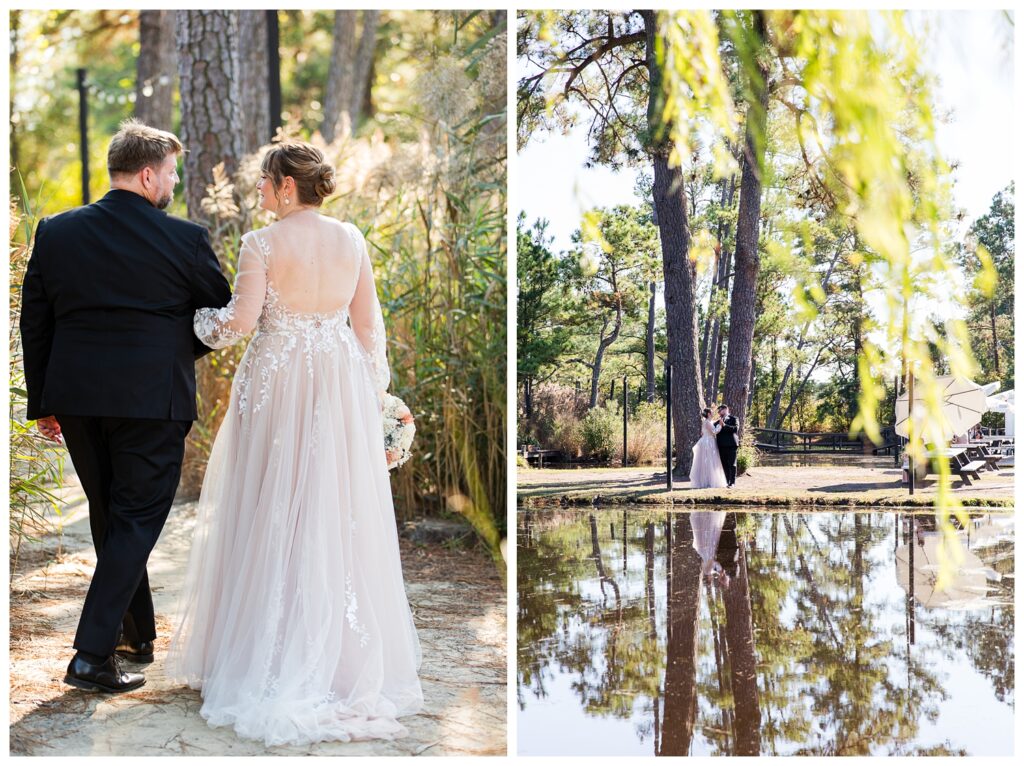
458	602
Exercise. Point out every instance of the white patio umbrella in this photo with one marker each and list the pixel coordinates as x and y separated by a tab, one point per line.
963	403
1003	402
966	590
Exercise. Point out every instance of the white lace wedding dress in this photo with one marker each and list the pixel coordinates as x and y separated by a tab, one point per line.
707	471
294	620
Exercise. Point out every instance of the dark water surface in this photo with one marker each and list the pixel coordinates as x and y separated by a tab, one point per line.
651	632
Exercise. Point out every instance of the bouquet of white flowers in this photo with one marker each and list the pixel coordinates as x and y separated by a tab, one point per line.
399	430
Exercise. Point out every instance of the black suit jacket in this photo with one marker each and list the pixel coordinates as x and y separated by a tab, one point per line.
726	437
107	306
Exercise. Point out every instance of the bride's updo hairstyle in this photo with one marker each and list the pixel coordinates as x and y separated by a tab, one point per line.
705	412
314	177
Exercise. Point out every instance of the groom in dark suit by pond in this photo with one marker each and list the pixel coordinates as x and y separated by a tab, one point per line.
728	441
108	301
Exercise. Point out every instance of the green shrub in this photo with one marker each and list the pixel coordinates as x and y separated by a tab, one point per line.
600	431
746	458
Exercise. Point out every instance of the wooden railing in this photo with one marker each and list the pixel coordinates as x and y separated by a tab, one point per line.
776	440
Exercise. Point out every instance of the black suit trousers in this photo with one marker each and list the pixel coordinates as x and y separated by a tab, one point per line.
728	457
129	468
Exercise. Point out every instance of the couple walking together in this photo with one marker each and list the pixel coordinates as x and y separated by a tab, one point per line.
714	454
293	621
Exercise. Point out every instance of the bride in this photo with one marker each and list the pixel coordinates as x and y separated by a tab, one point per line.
707	470
294	619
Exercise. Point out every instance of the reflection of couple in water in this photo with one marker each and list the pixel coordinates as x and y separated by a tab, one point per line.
704	548
714	539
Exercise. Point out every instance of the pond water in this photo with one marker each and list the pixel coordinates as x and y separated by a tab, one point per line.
653	632
824	459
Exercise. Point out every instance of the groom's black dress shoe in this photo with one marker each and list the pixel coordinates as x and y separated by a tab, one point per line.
102	677
140	653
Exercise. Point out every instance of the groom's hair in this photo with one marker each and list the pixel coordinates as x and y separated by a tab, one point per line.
136	146
723	407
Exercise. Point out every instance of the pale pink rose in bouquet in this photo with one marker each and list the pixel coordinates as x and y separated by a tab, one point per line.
399	430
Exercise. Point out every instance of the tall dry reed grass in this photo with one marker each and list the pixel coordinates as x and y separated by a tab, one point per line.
36	465
432	206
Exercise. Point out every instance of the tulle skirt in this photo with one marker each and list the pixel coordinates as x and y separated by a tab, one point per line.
706	471
707	531
294	620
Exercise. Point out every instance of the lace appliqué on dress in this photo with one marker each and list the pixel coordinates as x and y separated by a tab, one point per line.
220	327
351	610
212	326
376	355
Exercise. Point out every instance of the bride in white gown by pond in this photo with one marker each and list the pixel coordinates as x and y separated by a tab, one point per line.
706	471
294	620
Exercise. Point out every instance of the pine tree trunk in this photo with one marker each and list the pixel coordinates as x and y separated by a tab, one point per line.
211	125
995	338
211	115
363	64
253	86
349	74
718	335
15	45
651	316
798	389
155	69
713	367
705	347
602	346
742	307
774	420
773	415
274	71
680	273
340	75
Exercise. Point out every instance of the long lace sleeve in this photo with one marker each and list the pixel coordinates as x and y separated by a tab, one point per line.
367	318
218	328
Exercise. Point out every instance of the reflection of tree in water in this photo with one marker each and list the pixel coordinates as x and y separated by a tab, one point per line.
984	635
684	580
601	640
647	637
857	704
548	572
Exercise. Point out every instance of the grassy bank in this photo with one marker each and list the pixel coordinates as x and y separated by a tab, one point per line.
827	487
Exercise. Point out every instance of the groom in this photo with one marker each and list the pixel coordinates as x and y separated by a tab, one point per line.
728	441
106	329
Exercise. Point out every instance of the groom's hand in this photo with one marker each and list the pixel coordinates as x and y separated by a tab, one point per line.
50	429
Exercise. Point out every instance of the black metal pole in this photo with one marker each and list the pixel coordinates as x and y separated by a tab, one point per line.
668	424
625	421
273	72
910	430
83	132
910	599
896	436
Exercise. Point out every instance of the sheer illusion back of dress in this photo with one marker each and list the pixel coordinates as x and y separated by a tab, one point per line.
306	267
294	620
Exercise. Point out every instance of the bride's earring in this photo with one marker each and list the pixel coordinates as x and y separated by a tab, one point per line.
287	201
